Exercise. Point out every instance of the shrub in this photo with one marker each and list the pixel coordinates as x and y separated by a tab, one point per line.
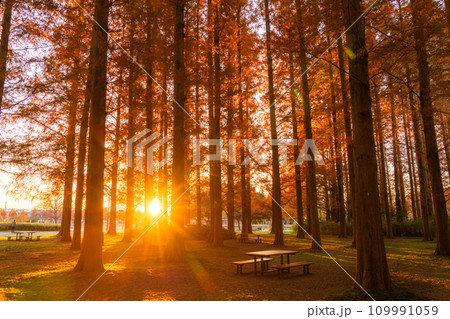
332	228
202	232
405	228
410	227
30	227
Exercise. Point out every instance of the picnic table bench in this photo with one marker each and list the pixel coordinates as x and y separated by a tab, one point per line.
249	238
263	258
241	263
284	267
20	235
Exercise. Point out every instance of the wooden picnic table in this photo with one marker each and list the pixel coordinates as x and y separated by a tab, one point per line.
30	234
269	253
18	234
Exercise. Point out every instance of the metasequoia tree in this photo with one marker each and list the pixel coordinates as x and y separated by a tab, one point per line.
129	214
69	171
311	185
277	222
198	186
243	127
399	203
82	150
348	134
382	163
298	180
176	244
148	64
427	112
371	263
91	252
338	155
425	207
114	174
4	43
216	179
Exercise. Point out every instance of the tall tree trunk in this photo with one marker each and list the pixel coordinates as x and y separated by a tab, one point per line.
398	202
216	175
148	179
410	172
348	136
425	208
277	217
210	42
129	212
402	184
176	245
413	167
249	186
242	134
388	178
298	178
164	133
91	252
426	110
413	203
114	174
82	150
230	167
197	118
4	44
338	154
383	176
445	138
69	171
371	268
311	186
332	178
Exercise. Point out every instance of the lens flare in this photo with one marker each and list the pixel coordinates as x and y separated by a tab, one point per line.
154	207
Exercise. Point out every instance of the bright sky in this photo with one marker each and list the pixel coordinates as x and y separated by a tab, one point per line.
7	200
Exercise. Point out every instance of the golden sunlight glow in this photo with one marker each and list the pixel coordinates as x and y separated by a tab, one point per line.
154	208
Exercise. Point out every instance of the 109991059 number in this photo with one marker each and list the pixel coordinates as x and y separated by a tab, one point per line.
403	310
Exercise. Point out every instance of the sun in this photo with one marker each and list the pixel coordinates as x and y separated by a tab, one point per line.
154	207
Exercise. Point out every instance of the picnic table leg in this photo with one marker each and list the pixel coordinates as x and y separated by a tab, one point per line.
289	269
256	270
281	259
262	265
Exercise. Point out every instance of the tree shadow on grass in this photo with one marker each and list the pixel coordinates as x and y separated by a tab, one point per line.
396	294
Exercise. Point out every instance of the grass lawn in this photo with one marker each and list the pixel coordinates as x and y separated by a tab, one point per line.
42	270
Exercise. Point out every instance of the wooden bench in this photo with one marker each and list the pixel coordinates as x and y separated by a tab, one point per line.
249	238
38	237
241	263
284	267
